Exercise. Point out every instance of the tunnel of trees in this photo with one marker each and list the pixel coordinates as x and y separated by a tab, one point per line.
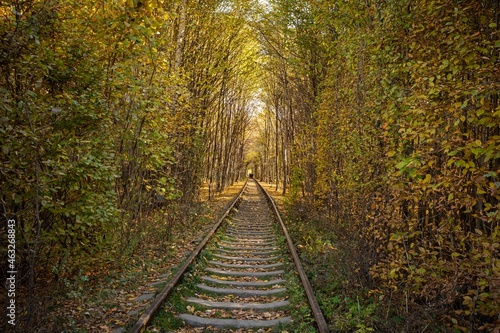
378	121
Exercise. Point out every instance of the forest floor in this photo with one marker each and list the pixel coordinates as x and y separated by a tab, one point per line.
114	296
109	298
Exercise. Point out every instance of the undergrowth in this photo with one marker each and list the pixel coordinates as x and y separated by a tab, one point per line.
344	303
338	269
300	311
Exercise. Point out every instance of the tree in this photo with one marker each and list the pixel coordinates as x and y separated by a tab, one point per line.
388	118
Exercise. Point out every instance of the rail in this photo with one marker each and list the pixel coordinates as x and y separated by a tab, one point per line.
142	322
317	313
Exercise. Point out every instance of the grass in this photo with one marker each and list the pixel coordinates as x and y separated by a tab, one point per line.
345	303
166	319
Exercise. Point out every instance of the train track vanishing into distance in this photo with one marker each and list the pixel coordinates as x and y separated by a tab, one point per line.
238	275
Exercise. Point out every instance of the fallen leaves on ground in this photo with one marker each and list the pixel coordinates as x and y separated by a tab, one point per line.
240	314
107	300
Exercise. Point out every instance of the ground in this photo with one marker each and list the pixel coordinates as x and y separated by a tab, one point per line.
103	300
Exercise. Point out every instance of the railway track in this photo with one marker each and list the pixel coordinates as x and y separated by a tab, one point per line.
238	278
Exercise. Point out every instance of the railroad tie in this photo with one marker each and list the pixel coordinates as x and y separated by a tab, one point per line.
239	280
243	284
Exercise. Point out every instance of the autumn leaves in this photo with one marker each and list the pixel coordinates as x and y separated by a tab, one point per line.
385	117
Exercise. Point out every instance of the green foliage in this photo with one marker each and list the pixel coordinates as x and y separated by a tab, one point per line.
104	128
382	116
333	273
296	184
58	170
399	147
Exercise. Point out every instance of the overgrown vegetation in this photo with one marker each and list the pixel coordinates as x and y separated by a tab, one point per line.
380	117
105	115
382	123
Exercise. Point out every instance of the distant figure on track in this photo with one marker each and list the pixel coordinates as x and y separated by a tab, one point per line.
250	175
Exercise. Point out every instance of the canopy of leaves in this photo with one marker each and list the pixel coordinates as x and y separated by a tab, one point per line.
107	118
384	116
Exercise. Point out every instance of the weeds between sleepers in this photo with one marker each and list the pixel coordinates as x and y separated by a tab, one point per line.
299	309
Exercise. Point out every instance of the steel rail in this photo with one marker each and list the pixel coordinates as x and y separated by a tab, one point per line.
318	315
141	323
